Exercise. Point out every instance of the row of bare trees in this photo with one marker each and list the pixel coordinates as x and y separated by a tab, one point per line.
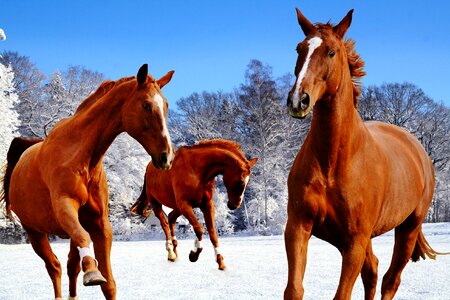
253	114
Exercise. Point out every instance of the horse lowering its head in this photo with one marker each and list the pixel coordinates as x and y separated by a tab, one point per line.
235	179
325	63
58	185
190	183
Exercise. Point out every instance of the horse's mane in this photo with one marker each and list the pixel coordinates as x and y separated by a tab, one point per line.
102	90
355	62
224	144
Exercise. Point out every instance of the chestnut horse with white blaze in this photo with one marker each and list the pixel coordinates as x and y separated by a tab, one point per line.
58	185
190	183
351	180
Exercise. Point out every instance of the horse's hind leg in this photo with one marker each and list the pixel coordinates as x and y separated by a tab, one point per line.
73	269
405	240
173	216
369	273
159	213
39	242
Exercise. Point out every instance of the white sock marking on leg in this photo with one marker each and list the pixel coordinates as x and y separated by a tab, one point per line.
197	244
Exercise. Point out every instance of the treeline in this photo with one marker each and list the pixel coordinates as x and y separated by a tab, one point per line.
253	114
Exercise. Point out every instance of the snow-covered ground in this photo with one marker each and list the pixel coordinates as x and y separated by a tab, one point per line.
257	269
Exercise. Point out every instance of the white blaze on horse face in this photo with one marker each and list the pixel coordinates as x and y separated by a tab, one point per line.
313	43
245	186
165	132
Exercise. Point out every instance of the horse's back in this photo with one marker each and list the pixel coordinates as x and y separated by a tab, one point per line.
397	143
409	174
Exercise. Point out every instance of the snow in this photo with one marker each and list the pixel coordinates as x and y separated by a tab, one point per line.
257	269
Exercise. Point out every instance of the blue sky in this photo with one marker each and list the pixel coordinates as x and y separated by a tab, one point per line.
210	43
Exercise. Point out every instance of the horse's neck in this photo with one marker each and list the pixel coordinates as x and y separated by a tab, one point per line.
216	162
96	127
336	129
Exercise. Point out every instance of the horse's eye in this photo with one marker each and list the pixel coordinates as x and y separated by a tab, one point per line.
332	53
146	106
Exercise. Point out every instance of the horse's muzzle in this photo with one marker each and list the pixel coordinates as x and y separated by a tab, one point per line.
232	206
300	108
165	161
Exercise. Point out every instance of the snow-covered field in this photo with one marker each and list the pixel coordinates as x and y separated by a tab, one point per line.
257	269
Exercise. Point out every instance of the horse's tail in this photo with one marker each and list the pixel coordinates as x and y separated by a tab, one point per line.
423	249
17	147
140	206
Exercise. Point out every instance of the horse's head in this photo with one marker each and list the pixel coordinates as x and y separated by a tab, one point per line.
236	180
144	117
321	64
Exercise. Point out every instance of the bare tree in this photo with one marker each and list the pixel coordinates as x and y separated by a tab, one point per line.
28	83
261	130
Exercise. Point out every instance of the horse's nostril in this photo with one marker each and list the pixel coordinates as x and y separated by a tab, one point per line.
304	101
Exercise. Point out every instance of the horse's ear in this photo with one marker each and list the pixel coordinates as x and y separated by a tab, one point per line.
305	24
341	28
252	162
142	74
165	79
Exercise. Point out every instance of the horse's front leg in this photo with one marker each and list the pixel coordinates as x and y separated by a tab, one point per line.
66	212
208	214
296	238
353	257
187	211
102	239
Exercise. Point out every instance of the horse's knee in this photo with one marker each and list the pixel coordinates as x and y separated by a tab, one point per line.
54	268
199	231
73	267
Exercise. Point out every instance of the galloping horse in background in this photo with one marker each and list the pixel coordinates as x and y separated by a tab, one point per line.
190	183
351	181
58	185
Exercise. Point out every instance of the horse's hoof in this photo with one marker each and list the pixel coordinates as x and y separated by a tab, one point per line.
172	258
93	278
193	256
219	260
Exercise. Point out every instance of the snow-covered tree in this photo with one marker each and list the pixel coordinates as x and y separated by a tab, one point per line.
208	115
28	83
261	132
9	120
61	96
2	35
125	163
223	217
